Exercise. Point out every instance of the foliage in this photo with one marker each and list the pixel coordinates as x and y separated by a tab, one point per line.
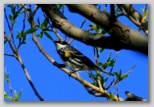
15	96
40	28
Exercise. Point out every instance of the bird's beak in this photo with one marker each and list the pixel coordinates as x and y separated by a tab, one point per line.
55	41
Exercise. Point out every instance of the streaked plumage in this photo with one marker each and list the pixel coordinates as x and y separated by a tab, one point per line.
74	59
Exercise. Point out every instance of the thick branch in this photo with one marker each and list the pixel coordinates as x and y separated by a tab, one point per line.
134	15
137	41
133	40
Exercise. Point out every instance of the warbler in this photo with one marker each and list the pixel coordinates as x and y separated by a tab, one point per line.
74	59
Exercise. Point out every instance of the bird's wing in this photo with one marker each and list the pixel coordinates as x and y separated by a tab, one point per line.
78	55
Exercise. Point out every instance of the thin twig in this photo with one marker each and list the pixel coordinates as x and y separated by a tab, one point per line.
10	88
6	54
35	10
23	29
96	55
7	19
25	7
117	53
53	30
57	34
12	37
111	85
84	21
118	15
16	54
117	91
80	28
105	7
131	69
134	20
28	77
11	46
91	76
10	27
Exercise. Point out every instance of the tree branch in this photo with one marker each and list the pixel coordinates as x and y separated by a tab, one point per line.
28	77
132	39
6	54
134	16
102	19
17	56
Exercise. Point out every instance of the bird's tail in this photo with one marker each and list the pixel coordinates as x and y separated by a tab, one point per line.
101	70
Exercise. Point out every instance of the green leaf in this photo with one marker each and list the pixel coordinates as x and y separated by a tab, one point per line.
104	66
120	76
6	77
20	35
95	4
117	10
23	42
100	64
120	72
13	11
98	29
40	35
18	96
24	37
111	96
93	26
45	23
147	13
103	31
108	59
106	79
98	76
30	30
124	76
10	5
60	5
16	14
111	63
12	19
102	80
48	35
15	93
100	50
8	97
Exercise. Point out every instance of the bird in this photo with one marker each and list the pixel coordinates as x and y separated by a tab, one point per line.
74	59
133	97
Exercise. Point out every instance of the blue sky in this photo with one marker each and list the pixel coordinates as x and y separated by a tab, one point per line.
53	84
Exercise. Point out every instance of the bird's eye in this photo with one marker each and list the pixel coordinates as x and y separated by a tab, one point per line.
63	42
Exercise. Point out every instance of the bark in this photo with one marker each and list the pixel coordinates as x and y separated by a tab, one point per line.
121	35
